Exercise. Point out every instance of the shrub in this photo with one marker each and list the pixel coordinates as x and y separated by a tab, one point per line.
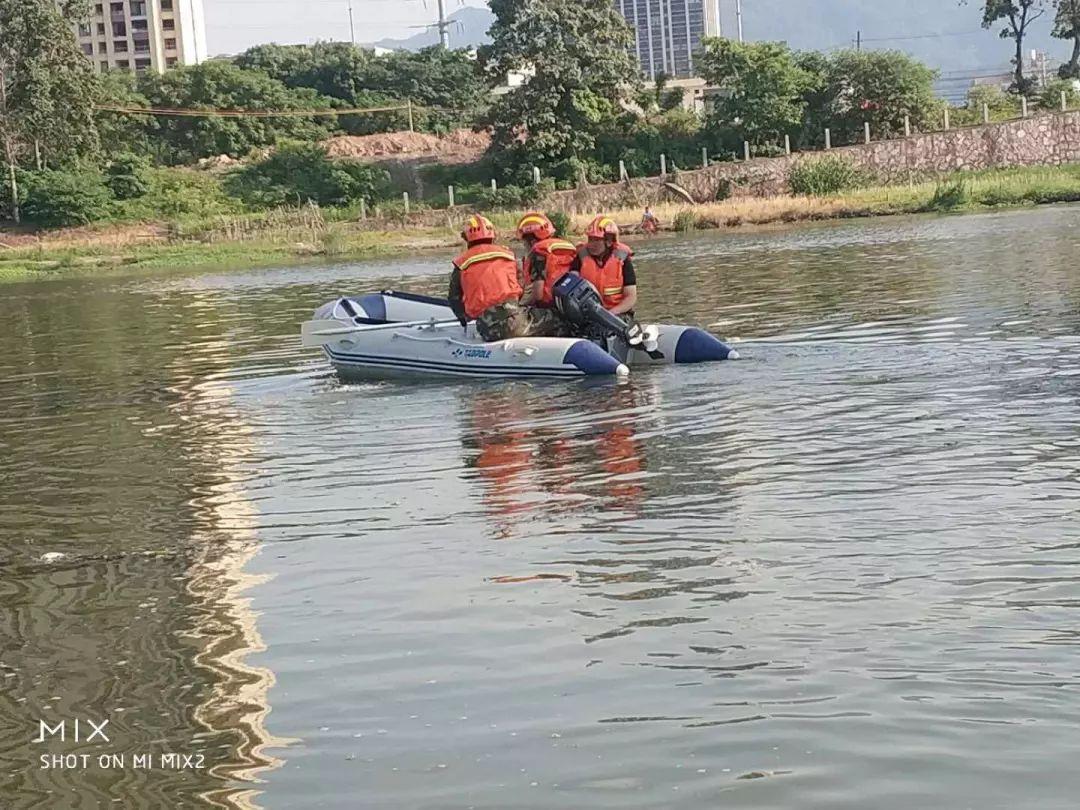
561	221
1050	97
127	176
301	172
59	198
948	196
685	220
826	175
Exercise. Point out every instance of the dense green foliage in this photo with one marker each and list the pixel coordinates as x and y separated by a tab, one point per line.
825	175
1016	17
761	89
297	173
127	176
75	197
580	73
1067	26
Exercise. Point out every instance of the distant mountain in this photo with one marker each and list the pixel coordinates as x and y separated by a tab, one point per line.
942	33
470	27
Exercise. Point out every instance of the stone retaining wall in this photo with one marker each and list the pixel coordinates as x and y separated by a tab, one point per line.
1041	140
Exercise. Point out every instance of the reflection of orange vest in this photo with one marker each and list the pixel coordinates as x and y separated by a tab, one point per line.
489	276
620	456
558	255
608	279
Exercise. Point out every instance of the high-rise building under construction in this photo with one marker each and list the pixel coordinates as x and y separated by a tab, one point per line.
669	32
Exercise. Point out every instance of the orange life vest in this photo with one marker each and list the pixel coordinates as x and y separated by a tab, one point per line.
608	279
489	276
558	255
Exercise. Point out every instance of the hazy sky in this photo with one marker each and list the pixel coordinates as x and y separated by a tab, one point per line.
233	25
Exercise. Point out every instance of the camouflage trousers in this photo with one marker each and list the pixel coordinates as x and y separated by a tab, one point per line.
512	320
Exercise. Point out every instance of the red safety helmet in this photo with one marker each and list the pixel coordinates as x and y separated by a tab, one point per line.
602	227
477	229
536	225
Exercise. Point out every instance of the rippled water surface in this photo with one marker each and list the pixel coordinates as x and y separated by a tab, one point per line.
841	573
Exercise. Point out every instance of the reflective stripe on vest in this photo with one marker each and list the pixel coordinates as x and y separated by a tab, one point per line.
489	276
608	279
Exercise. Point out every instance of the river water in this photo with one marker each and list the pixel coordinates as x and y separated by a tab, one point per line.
840	573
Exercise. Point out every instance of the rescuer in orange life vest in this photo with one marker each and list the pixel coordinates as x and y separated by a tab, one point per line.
548	259
484	286
607	264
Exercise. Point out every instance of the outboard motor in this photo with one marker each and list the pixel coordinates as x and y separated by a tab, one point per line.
579	303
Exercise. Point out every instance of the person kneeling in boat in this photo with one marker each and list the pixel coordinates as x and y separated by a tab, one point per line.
548	258
484	286
608	265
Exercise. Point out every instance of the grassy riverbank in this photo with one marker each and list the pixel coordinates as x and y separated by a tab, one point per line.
306	234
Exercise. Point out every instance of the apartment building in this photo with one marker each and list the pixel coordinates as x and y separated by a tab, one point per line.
669	32
141	35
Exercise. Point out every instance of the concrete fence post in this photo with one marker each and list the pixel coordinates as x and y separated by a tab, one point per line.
494	184
986	113
1023	106
705	151
450	195
405	200
866	131
1064	101
787	144
946	119
828	138
907	126
623	176
363	208
663	165
746	150
536	175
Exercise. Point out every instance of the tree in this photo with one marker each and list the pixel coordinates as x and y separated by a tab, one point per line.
1067	26
301	172
761	89
1018	15
219	85
576	55
880	88
46	88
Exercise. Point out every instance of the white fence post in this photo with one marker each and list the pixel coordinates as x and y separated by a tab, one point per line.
663	165
623	176
363	208
705	149
986	113
907	126
450	195
1023	106
1064	101
536	175
828	138
866	131
946	118
494	184
787	144
405	199
746	150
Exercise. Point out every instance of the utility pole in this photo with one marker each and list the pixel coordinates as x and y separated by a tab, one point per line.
444	26
738	18
858	40
352	30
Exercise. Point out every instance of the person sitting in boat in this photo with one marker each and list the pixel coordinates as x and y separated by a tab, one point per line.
548	258
484	286
608	265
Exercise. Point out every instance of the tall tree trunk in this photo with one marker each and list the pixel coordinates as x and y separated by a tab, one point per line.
1019	74
1074	63
9	148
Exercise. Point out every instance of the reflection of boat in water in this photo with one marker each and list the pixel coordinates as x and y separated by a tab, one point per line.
392	334
533	464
